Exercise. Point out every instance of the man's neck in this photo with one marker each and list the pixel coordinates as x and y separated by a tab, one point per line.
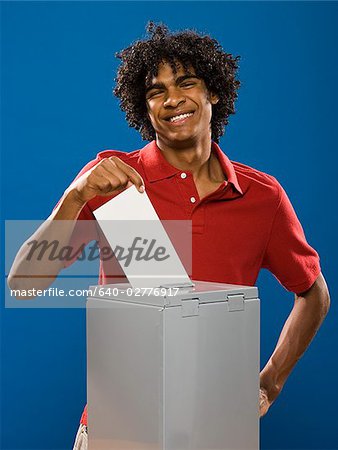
196	158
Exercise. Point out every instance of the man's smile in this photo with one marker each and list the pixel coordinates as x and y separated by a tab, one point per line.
179	118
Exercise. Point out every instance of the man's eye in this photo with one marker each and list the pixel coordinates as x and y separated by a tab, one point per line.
154	94
187	84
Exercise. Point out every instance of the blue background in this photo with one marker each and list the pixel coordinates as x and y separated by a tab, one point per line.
57	113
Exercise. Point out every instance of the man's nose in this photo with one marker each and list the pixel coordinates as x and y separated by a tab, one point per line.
174	98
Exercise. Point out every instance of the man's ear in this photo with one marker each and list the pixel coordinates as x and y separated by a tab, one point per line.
214	98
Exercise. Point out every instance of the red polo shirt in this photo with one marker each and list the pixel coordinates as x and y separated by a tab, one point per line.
247	224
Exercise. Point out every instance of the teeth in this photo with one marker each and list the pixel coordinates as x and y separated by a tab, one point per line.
180	117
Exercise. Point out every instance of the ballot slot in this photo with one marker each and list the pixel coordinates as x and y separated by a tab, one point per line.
172	295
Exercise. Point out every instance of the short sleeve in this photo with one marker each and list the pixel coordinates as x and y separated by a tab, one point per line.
288	256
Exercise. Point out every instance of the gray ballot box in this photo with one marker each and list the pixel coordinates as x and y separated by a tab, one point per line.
173	369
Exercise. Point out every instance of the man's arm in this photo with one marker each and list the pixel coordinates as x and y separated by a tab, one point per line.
308	313
30	270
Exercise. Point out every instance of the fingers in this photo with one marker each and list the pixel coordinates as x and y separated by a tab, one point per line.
108	176
116	178
113	174
126	170
264	403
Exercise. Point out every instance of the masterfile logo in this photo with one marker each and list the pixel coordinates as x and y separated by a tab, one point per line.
74	253
140	249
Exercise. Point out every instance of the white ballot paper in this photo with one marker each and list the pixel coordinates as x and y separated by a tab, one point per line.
140	242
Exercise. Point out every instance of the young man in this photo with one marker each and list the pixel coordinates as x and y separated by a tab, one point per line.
178	90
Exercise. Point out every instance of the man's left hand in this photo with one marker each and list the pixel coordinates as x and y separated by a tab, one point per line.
264	403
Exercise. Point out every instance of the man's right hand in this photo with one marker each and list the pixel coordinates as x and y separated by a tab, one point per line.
105	178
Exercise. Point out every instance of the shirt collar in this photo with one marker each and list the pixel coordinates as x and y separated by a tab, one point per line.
227	167
157	167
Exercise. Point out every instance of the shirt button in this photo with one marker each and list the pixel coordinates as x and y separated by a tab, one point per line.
192	199
183	175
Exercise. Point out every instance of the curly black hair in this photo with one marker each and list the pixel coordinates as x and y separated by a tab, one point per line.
141	60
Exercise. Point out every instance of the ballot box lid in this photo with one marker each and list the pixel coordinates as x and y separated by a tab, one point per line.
169	295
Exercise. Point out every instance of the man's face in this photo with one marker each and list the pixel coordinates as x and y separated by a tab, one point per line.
179	106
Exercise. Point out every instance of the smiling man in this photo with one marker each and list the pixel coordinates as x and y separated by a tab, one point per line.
178	90
179	107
